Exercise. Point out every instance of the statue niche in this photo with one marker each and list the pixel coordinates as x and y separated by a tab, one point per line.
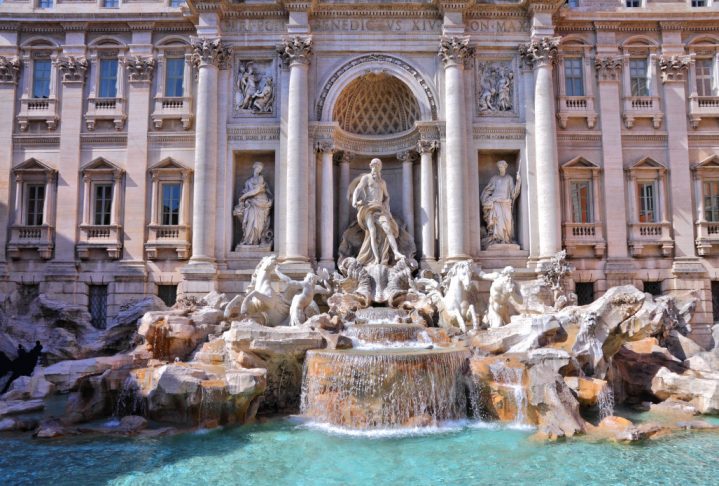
253	210
498	198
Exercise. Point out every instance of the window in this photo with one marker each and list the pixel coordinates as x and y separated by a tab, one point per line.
35	204
42	69
633	3
44	4
176	3
638	76
573	79
98	305
108	78
171	204
111	3
699	3
648	202
168	294
103	204
715	302
175	73
653	287
711	201
705	74
585	292
581	202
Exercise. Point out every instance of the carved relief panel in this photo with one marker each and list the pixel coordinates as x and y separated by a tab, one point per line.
254	88
495	87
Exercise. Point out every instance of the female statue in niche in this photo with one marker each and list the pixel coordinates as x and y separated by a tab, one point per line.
497	201
253	209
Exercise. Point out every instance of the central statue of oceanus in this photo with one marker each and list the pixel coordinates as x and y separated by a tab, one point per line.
371	200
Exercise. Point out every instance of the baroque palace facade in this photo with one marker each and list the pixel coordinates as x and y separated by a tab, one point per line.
131	129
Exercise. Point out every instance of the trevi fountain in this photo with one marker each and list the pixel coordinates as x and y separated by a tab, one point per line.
378	372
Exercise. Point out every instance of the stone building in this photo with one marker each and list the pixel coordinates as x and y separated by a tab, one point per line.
130	128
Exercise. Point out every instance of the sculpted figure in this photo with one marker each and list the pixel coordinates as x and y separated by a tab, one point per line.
505	91
250	87
497	201
262	100
261	302
502	296
253	208
487	93
303	304
371	199
458	303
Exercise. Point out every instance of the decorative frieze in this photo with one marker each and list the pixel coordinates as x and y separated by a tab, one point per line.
240	134
540	52
73	69
9	70
674	68
295	50
455	50
210	51
608	68
140	69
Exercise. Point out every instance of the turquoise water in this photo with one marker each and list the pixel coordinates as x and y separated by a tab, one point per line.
289	452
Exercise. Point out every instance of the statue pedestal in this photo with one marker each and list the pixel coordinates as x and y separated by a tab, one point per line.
501	248
253	251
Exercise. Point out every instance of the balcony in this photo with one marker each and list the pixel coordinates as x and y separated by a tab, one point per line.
172	108
578	235
175	238
707	237
38	109
576	107
38	238
643	237
642	107
702	107
100	237
112	109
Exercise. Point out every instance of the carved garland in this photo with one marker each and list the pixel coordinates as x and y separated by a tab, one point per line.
376	58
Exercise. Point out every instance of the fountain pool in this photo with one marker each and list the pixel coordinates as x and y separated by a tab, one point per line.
281	452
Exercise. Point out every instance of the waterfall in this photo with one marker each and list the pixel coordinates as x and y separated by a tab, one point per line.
511	378
363	389
388	335
605	401
129	400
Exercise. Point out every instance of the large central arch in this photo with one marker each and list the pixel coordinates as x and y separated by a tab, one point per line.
378	63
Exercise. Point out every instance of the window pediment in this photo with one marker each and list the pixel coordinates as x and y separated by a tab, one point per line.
101	165
168	165
580	164
34	166
647	164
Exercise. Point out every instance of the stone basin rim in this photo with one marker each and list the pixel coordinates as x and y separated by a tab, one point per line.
388	352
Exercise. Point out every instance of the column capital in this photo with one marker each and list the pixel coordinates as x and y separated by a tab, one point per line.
608	68
346	157
674	68
73	69
139	68
325	146
455	51
407	156
295	50
540	52
427	146
9	70
207	52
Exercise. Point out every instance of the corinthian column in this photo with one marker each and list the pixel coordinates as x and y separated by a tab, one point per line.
541	55
454	51
408	159
296	52
426	197
208	57
326	149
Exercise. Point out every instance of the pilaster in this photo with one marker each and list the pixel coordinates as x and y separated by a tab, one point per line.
9	74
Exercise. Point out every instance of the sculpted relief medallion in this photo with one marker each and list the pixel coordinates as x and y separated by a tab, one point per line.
254	88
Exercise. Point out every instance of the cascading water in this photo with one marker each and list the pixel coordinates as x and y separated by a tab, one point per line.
511	379
388	335
129	400
605	402
370	389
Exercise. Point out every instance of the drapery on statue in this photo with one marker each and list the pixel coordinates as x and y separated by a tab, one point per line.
371	199
497	201
253	209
